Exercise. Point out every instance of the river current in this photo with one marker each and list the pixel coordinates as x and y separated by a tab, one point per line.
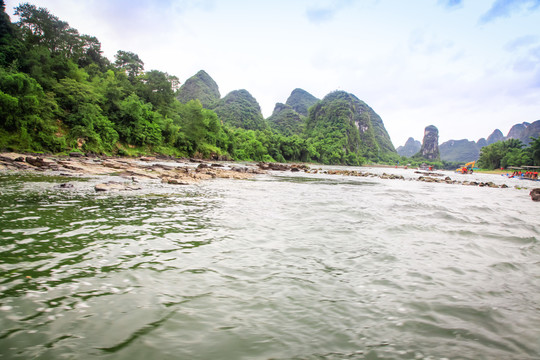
283	266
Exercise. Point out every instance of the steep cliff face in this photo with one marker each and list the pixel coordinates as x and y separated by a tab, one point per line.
202	87
430	144
240	109
300	101
381	135
286	120
410	148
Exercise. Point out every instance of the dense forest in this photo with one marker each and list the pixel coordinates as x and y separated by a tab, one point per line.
58	93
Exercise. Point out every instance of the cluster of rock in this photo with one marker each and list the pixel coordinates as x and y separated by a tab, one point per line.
170	172
282	167
14	161
448	180
429	177
189	171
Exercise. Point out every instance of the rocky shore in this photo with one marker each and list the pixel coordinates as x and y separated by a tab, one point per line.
177	171
131	171
429	177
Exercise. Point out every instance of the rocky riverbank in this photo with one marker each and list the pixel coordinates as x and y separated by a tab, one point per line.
131	171
172	171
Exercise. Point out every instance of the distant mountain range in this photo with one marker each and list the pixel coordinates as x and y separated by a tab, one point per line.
327	122
410	148
340	128
465	150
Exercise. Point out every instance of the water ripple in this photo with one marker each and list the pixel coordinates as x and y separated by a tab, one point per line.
281	267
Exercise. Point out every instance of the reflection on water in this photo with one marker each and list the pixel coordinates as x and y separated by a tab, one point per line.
282	267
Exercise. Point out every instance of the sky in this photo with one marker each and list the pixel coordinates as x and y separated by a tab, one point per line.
466	66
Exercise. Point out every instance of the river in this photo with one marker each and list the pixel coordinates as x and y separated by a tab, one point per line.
283	266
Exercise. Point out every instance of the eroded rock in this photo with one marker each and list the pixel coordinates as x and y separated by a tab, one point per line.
535	194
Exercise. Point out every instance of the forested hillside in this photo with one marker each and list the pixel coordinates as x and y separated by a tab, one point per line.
58	93
202	87
240	109
344	129
286	120
290	118
300	101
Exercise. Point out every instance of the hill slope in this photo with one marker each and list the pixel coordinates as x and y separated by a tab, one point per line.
532	130
344	129
495	136
286	120
459	150
202	87
239	108
410	148
300	101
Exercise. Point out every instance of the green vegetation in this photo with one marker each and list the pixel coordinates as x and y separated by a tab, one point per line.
201	87
512	152
238	108
285	120
300	101
58	93
340	130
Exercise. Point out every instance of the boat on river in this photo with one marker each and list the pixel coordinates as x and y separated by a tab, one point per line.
524	172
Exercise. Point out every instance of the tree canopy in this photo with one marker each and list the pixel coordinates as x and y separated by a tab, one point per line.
512	152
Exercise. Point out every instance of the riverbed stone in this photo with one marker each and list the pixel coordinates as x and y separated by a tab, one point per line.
175	181
535	194
116	186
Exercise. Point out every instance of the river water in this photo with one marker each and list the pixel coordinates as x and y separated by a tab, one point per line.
283	266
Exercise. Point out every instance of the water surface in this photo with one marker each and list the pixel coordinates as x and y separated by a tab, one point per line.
285	266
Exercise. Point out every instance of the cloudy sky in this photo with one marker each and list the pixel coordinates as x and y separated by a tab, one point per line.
465	66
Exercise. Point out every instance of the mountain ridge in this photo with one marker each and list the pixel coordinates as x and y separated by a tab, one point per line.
465	150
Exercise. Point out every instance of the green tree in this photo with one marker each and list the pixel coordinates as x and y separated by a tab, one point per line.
39	27
534	151
10	44
130	63
82	113
27	113
137	123
156	88
491	156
